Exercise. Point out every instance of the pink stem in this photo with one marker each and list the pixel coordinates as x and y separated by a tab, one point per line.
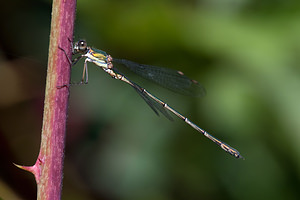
48	169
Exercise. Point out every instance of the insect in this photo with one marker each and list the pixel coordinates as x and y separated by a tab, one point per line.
169	78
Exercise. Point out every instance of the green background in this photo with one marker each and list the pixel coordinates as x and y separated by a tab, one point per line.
245	53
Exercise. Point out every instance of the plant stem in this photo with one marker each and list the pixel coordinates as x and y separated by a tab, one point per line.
48	169
51	154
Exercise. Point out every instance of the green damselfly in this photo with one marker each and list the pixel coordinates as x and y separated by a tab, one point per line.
169	78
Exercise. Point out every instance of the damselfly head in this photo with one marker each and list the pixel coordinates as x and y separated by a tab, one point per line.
80	47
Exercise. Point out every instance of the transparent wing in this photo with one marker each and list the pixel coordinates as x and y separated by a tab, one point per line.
171	79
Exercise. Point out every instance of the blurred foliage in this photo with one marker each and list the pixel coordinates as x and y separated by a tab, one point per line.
245	53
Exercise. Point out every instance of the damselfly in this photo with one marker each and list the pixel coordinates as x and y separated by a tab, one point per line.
171	79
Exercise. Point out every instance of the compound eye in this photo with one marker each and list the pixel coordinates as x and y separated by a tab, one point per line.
82	45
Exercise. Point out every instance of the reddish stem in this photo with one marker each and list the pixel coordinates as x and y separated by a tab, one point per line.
48	169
